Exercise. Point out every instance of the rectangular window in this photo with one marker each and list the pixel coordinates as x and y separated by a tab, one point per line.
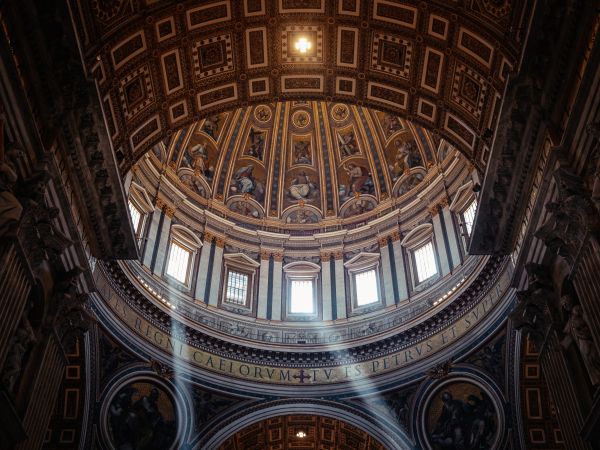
136	217
366	287
179	261
237	288
469	216
425	262
301	301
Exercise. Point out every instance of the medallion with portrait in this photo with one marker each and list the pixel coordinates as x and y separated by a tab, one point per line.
142	415
461	415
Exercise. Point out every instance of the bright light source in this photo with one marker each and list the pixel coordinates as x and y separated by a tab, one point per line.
303	45
301	434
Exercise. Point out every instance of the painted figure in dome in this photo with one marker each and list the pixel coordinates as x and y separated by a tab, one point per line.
302	188
406	157
211	125
257	144
302	152
244	183
199	158
360	179
391	124
347	143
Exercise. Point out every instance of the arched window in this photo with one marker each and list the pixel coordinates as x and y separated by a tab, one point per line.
183	248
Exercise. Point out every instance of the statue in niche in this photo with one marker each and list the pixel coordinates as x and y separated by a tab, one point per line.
578	331
347	143
10	207
302	188
20	344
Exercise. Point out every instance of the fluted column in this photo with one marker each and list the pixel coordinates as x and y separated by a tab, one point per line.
217	268
340	285
326	283
386	269
263	284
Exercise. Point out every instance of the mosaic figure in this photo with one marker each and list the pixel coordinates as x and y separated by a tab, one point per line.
360	180
142	416
391	124
302	152
462	417
211	125
347	144
246	209
302	188
244	182
359	206
302	216
256	149
410	182
406	156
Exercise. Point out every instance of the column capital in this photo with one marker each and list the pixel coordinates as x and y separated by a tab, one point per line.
433	210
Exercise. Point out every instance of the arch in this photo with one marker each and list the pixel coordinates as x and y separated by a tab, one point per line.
302	266
141	197
385	431
464	195
186	235
417	235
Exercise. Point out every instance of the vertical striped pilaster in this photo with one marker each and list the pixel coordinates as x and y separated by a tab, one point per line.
386	269
217	267
276	297
14	290
44	391
263	287
340	287
563	392
587	286
326	285
202	271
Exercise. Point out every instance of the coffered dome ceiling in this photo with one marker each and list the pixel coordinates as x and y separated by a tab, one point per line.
301	164
164	65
